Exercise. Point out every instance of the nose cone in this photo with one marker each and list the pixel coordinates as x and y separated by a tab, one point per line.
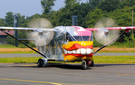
76	50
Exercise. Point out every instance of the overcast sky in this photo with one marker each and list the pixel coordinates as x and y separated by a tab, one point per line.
26	7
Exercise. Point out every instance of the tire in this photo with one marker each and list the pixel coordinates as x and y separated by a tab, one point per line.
40	63
92	64
84	65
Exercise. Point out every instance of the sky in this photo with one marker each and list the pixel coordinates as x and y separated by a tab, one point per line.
26	7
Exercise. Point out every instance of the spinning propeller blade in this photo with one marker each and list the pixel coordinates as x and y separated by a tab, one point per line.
41	37
103	35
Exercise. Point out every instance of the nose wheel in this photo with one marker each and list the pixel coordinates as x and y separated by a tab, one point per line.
84	65
40	63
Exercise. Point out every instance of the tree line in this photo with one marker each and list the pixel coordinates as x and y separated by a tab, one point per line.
88	14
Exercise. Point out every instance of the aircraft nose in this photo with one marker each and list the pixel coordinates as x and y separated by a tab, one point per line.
86	51
83	51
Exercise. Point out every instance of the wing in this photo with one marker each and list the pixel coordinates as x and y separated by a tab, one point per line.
112	28
103	37
40	33
27	29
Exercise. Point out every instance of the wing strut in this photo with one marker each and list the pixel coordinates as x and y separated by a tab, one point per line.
26	45
109	42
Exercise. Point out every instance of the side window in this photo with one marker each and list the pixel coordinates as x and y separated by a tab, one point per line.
69	37
91	37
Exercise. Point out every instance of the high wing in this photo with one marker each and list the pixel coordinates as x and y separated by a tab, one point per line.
40	33
103	37
27	29
112	28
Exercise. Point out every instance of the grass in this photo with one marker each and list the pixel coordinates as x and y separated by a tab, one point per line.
115	59
97	59
115	50
10	49
19	60
7	46
27	50
15	50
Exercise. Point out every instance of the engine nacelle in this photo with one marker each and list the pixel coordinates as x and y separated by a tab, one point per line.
101	33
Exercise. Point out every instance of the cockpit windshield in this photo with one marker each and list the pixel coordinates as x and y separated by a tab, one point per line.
79	38
83	38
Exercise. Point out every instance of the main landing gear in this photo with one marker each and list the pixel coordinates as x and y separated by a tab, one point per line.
42	62
86	64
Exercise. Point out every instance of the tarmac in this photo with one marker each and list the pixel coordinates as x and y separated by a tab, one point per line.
66	74
37	55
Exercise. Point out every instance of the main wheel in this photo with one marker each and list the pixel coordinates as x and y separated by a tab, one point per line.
84	65
40	63
92	64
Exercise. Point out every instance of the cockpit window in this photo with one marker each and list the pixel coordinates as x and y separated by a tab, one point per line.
83	38
79	38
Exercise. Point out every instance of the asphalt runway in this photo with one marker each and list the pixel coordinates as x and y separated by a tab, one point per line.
37	55
67	74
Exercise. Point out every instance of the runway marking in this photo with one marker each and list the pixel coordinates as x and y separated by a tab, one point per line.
126	74
23	65
31	81
30	65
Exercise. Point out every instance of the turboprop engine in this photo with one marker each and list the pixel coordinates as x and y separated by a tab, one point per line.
103	35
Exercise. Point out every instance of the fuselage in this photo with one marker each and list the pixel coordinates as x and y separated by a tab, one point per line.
79	45
70	43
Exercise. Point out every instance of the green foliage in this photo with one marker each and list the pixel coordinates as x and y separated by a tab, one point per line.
9	20
67	2
47	5
93	17
109	5
10	40
2	23
22	46
94	3
96	44
63	17
21	35
128	3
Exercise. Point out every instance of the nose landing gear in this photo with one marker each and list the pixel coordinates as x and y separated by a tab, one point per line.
42	62
86	64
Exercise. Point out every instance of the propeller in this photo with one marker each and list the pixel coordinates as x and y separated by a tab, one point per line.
41	38
103	35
